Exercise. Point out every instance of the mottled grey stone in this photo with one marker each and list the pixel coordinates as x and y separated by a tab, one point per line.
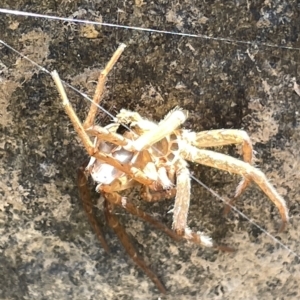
47	248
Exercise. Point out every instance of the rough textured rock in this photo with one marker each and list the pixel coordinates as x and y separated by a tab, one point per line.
47	248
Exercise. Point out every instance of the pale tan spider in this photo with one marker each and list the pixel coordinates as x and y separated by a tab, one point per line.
154	156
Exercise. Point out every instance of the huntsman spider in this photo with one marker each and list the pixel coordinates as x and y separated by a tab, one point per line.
154	157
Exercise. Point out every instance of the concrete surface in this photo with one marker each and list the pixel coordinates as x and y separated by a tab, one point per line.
47	248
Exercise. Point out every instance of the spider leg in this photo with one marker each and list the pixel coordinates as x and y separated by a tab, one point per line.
109	192
233	165
113	222
119	184
89	121
103	134
173	120
88	206
156	195
180	211
182	198
197	238
132	171
194	237
222	137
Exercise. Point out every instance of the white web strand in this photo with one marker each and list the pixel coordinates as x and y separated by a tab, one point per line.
200	36
112	116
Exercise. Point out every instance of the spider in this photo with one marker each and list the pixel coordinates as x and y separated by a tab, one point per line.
154	157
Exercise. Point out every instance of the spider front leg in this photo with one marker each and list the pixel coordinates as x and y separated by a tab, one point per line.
233	165
91	149
89	121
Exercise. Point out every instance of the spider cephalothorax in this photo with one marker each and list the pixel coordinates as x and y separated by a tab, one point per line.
155	157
